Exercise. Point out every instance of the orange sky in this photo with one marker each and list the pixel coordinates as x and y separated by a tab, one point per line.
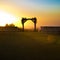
46	15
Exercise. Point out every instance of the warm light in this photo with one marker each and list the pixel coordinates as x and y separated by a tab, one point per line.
6	18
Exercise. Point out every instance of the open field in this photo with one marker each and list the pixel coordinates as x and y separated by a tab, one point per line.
29	46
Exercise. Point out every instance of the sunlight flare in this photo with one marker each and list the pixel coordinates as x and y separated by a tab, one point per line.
6	18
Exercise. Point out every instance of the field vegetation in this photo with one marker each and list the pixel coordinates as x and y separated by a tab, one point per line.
29	46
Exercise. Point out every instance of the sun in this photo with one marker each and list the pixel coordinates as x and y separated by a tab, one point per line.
6	18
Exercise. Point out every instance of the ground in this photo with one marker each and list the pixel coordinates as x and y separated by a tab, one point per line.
29	46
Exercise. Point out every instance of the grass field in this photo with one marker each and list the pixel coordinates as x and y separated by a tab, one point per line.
29	46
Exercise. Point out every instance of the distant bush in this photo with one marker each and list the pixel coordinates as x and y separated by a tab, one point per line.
9	25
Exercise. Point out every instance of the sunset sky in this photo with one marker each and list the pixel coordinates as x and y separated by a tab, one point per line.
47	12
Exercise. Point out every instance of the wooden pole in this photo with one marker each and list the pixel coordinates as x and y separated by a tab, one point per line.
23	27
34	26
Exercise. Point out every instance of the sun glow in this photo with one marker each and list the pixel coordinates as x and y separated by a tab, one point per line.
6	18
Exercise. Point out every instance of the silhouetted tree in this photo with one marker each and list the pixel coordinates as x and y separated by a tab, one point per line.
9	25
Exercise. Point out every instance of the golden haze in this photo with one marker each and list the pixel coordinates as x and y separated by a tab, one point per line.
43	17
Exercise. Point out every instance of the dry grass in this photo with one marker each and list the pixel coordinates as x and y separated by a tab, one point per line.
29	46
